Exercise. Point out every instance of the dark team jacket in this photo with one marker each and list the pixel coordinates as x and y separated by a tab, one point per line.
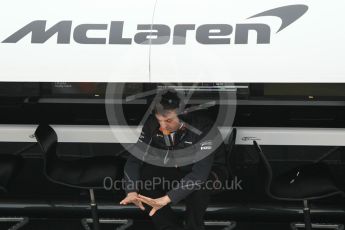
191	145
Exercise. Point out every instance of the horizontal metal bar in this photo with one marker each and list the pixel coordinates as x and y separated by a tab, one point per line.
218	223
318	226
125	223
11	219
109	221
258	207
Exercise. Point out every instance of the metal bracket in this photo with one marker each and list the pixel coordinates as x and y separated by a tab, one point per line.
124	223
21	221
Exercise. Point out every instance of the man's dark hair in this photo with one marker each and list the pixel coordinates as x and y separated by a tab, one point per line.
168	101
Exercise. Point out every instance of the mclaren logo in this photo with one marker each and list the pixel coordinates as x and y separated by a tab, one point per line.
206	145
158	34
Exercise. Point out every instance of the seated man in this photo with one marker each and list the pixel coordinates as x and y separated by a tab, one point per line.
179	147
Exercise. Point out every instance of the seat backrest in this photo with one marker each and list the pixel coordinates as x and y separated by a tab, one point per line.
46	138
265	169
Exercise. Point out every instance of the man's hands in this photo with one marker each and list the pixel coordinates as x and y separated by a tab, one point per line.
137	199
156	204
132	197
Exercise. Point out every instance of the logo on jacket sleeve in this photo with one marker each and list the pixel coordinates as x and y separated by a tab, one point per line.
206	145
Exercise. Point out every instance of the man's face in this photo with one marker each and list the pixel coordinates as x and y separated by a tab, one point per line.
169	121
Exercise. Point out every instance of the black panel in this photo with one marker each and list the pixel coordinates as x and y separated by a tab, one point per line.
258	105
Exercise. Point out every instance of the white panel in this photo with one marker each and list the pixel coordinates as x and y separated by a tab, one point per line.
24	61
311	49
17	133
291	136
130	134
73	133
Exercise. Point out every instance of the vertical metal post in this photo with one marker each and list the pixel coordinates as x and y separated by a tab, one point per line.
307	218
94	211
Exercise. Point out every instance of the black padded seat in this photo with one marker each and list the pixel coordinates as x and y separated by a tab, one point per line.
306	182
86	173
9	166
83	173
